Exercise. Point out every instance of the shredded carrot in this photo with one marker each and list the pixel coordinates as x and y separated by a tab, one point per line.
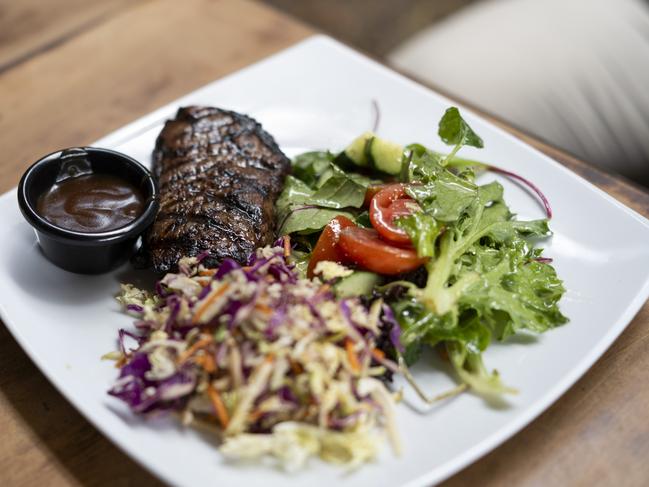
255	415
351	356
264	308
207	362
204	341
270	358
378	354
208	302
219	407
207	272
324	288
287	245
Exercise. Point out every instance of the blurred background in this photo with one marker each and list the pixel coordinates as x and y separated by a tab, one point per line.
375	26
574	73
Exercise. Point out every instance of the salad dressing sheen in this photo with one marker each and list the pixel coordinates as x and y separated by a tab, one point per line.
91	203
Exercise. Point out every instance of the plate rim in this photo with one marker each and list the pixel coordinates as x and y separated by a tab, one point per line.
488	443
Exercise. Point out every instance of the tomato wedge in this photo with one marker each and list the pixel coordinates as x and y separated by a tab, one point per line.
327	246
364	247
370	192
386	206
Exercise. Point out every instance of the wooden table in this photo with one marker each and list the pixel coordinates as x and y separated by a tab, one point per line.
73	71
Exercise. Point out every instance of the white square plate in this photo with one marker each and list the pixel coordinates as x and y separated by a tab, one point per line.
318	94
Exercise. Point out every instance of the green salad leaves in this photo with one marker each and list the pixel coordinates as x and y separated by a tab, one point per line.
453	130
317	191
484	278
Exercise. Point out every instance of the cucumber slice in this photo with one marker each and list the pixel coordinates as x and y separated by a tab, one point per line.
360	283
386	155
357	150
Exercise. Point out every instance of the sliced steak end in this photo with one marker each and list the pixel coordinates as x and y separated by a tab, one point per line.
219	174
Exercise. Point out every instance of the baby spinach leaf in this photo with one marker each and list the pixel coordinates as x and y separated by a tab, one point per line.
308	208
310	166
339	191
309	219
454	130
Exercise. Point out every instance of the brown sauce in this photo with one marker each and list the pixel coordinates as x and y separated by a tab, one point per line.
91	203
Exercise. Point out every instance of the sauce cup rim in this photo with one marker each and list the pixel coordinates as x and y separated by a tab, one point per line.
135	227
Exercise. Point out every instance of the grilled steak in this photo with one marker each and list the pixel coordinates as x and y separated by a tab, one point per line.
219	174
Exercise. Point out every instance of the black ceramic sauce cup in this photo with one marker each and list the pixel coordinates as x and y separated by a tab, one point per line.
85	252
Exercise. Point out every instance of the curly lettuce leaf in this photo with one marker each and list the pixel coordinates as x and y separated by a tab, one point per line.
514	293
472	371
483	279
442	194
485	224
423	229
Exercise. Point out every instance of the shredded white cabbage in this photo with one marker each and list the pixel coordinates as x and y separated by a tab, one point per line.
292	444
330	270
260	349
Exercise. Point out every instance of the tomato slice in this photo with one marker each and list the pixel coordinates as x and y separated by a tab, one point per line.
364	247
370	192
327	246
387	205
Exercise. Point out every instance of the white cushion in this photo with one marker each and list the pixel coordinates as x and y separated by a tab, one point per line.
574	72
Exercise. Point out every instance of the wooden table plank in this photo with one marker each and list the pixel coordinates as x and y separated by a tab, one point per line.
136	61
29	27
144	56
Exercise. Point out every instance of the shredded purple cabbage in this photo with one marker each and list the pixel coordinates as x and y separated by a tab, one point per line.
287	395
276	320
135	308
122	334
203	255
395	329
144	395
227	266
161	290
256	312
173	303
528	183
341	423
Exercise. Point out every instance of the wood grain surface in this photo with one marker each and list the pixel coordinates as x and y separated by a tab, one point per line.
76	78
135	61
30	27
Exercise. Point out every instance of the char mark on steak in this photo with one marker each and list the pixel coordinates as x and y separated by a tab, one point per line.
219	174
